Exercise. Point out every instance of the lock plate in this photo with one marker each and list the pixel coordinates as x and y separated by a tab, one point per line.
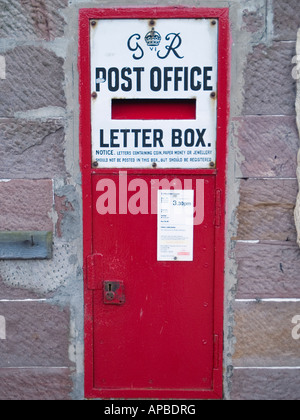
113	292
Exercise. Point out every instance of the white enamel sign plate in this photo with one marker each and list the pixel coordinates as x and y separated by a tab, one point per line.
173	59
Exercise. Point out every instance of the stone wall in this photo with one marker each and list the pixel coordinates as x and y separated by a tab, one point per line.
266	356
41	301
296	75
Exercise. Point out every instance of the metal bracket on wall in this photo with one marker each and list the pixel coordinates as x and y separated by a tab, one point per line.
25	245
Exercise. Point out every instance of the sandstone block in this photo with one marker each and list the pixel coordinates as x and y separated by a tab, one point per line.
37	334
34	79
263	332
35	384
267	146
268	270
286	19
31	149
265	384
32	19
269	86
26	205
266	210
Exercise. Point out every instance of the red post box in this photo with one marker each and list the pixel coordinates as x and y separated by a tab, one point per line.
153	135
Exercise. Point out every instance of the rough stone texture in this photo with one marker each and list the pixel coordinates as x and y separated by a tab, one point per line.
265	384
254	20
38	384
269	87
266	210
34	79
68	211
267	143
32	19
44	277
286	19
32	149
62	205
7	292
26	205
297	74
37	334
267	146
268	270
263	333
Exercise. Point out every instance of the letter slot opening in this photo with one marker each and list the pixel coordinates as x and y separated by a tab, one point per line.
154	109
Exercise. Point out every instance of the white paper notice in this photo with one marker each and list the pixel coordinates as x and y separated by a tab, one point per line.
175	237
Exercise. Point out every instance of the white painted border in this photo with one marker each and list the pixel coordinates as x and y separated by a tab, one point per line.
267	367
278	300
2	68
22	300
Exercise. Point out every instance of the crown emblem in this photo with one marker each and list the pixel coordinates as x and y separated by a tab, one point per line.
153	38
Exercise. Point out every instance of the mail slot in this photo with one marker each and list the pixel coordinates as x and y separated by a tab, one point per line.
157	109
153	148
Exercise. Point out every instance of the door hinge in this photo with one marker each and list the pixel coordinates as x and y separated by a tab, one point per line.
218	210
216	351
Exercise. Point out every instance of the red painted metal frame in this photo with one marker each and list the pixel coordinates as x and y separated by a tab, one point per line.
85	16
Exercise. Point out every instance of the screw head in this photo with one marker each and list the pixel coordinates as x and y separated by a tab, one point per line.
95	164
154	165
94	95
213	95
93	23
212	164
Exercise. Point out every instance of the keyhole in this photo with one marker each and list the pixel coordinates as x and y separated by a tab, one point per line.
110	295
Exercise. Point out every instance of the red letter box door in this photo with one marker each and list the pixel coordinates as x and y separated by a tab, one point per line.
153	113
161	340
